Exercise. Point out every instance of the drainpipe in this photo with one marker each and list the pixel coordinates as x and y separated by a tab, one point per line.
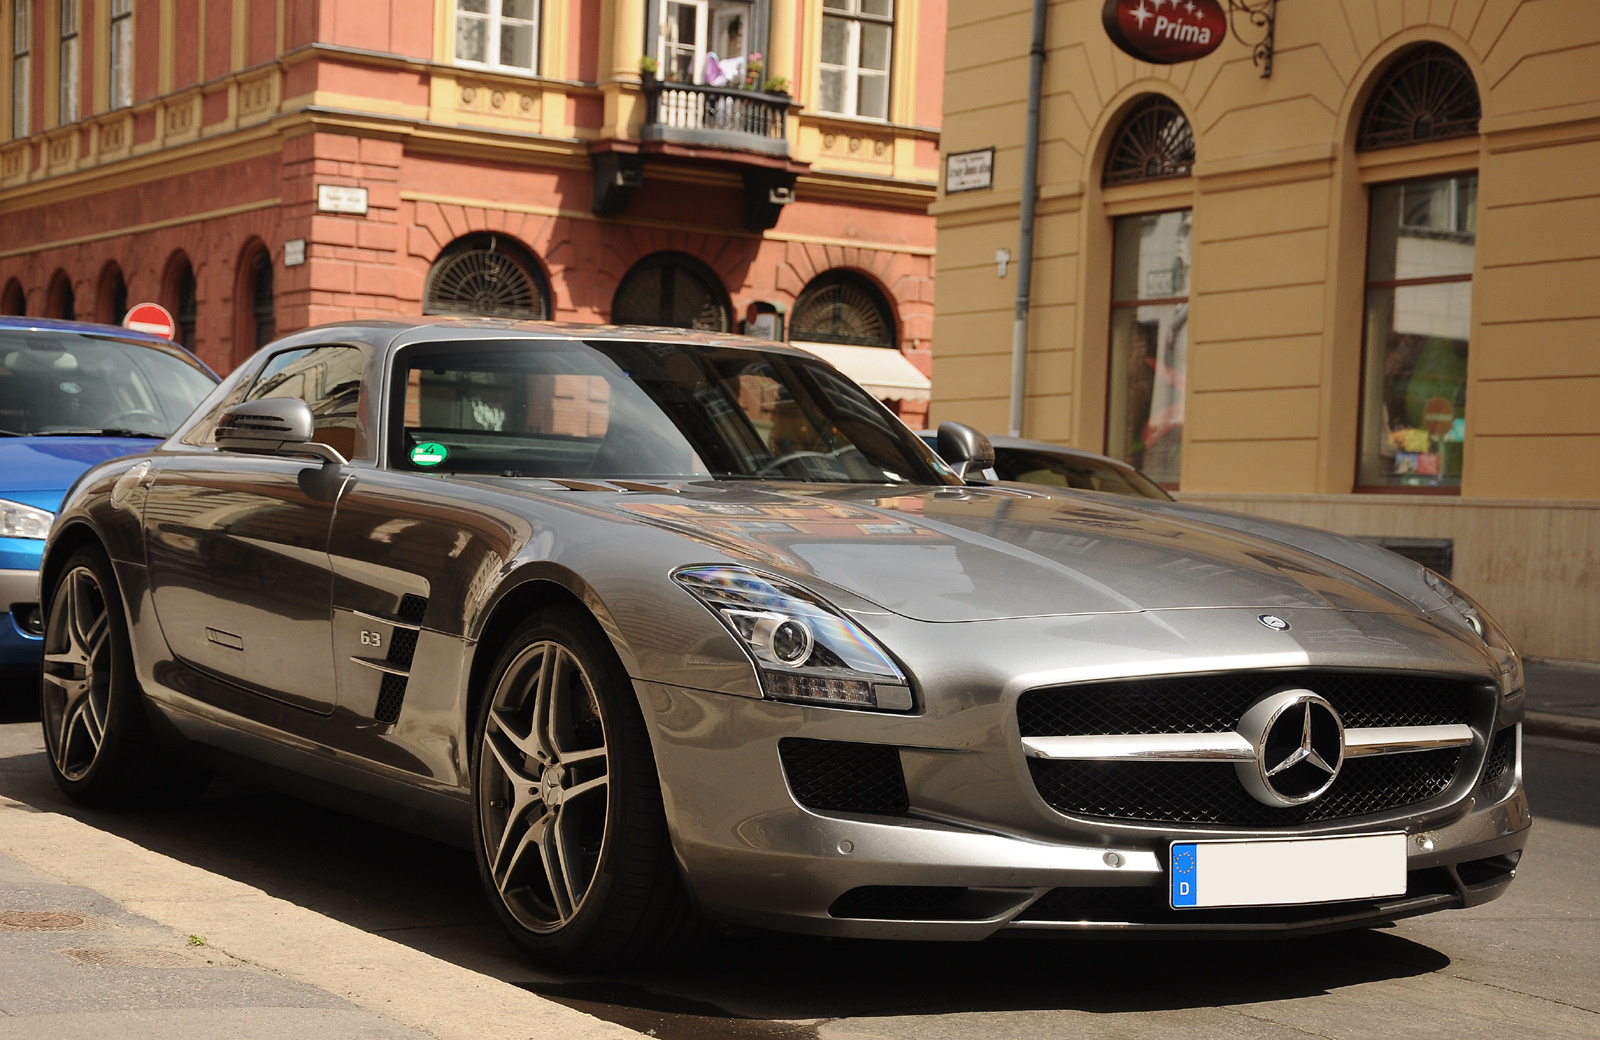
1030	195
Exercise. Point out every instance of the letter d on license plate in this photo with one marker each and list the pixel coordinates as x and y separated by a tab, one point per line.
1287	871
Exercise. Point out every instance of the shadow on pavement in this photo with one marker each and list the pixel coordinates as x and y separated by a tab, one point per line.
425	894
1547	762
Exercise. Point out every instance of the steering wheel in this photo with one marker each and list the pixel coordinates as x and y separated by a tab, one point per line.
128	417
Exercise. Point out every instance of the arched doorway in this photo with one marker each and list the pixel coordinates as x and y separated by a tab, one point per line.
111	296
61	302
489	275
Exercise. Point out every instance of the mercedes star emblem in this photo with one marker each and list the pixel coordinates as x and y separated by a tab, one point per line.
1274	622
1298	739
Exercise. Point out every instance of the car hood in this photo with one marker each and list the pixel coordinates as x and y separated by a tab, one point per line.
37	471
977	554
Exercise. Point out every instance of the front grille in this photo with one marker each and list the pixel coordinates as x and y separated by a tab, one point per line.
1215	703
391	694
1499	760
1210	793
412	608
1150	905
896	902
844	775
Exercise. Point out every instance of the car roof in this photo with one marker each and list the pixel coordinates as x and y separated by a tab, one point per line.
26	323
446	328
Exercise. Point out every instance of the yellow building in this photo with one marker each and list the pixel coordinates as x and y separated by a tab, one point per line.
1361	292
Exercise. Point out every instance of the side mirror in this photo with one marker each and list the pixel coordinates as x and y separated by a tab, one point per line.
273	426
965	448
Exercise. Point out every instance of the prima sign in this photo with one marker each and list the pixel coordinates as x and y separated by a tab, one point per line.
1165	32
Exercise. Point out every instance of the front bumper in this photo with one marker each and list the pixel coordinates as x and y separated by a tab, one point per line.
978	852
20	648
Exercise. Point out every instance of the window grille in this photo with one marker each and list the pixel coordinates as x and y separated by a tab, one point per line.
842	308
1155	141
486	275
672	290
1427	95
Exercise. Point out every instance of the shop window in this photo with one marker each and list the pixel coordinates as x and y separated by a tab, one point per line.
13	301
61	302
857	40
498	34
486	275
1149	342
840	307
673	290
1427	95
1421	242
21	67
706	41
70	69
121	47
1154	141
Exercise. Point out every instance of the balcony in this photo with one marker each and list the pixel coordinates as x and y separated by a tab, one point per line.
723	118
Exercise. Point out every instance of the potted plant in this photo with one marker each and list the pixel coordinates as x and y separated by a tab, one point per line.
752	72
776	85
647	70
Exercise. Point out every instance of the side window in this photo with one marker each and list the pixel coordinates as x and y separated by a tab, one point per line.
326	378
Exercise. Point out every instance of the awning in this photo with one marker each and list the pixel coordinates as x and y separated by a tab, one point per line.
883	372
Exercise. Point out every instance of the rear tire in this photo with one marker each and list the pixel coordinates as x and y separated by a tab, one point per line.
568	826
102	750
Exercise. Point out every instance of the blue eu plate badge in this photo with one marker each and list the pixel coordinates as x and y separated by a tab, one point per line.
1184	883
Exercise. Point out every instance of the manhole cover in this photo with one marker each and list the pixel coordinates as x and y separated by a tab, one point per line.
39	920
133	957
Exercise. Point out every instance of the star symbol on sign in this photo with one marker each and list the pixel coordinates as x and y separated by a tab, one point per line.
1143	13
1161	3
1190	7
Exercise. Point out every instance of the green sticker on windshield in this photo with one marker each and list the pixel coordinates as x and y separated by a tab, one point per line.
429	453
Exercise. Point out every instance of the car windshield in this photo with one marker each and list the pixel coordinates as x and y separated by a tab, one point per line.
59	383
1059	469
645	410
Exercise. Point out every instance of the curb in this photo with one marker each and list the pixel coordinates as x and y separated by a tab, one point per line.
1571	727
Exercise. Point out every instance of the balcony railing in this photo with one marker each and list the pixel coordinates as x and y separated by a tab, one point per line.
716	117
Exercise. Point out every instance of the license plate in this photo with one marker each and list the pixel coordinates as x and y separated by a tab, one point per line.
1287	871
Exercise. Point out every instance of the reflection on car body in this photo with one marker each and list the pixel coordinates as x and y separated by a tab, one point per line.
679	630
1040	462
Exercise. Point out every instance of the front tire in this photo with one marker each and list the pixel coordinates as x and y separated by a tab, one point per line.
102	750
571	838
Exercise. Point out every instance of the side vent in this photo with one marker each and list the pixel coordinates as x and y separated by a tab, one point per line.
844	775
396	663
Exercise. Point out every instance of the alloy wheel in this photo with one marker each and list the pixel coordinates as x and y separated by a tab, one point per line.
77	673
544	786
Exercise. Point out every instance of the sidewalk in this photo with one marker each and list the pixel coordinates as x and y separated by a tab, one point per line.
1563	700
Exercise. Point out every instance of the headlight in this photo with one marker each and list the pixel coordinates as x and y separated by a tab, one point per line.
805	649
20	521
1463	610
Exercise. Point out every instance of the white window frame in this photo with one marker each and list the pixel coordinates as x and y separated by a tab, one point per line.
494	19
120	44
702	20
69	70
853	17
21	68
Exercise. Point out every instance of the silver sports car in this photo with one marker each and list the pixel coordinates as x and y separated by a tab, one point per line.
682	631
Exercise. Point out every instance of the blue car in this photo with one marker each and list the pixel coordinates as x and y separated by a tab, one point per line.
72	395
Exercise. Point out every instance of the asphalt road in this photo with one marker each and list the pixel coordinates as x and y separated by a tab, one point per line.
1527	965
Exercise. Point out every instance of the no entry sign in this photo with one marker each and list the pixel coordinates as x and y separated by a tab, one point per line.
1165	32
150	317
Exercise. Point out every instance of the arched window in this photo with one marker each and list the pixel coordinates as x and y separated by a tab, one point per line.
489	275
840	307
254	323
178	295
262	315
111	297
1153	142
14	300
1428	94
675	290
60	301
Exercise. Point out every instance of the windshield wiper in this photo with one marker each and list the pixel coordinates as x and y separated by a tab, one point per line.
103	431
13	433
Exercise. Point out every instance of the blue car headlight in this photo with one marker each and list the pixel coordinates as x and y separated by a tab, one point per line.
20	521
1458	607
805	649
